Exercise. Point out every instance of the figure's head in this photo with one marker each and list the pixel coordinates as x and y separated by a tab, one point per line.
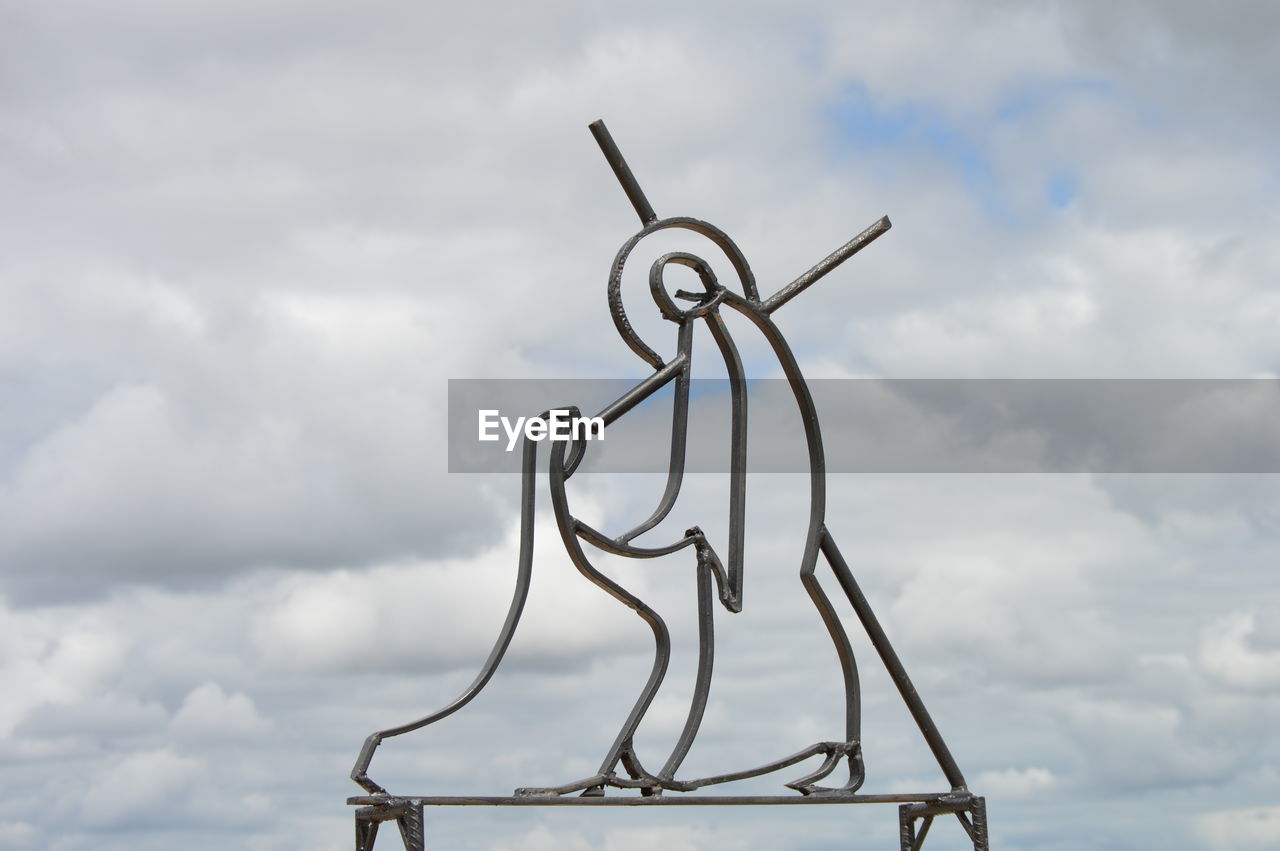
668	300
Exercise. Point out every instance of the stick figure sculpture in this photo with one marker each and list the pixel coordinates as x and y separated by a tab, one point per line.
715	577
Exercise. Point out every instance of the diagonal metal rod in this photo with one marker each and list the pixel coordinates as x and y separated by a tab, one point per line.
831	261
623	172
893	664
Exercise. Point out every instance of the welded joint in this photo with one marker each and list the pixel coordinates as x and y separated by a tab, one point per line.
970	811
407	816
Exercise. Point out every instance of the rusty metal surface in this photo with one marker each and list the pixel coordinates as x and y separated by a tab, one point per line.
719	579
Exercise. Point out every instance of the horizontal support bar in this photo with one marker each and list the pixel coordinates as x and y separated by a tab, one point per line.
384	813
938	808
648	801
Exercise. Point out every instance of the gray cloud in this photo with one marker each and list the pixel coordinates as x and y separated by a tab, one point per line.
247	244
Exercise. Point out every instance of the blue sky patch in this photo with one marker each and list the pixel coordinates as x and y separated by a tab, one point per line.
1061	189
864	124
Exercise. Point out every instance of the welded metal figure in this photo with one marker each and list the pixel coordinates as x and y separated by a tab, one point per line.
714	577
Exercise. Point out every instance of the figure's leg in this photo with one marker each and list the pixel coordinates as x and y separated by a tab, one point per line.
706	657
834	752
622	749
623	745
849	671
709	571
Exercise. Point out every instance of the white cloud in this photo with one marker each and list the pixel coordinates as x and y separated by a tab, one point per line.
1252	827
432	615
210	712
142	788
1227	656
18	835
1015	783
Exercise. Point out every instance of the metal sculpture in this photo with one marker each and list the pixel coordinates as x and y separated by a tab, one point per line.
715	577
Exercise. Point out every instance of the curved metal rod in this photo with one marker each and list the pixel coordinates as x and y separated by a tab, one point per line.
661	635
573	531
711	232
702	681
565	458
524	573
615	547
756	312
679	428
833	750
731	595
708	564
677	369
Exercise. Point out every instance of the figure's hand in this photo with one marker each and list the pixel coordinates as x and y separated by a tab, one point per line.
708	558
577	446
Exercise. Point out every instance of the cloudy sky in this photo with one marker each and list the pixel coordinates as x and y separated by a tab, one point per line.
247	244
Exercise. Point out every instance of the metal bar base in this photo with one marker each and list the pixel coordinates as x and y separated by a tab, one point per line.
391	803
970	811
915	807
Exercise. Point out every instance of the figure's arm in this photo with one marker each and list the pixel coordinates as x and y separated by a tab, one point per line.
676	370
624	403
729	582
679	440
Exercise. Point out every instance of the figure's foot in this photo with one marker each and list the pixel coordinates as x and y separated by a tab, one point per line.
807	785
590	787
367	784
593	787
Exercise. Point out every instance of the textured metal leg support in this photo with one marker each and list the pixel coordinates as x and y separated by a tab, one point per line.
972	814
366	834
413	829
979	832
